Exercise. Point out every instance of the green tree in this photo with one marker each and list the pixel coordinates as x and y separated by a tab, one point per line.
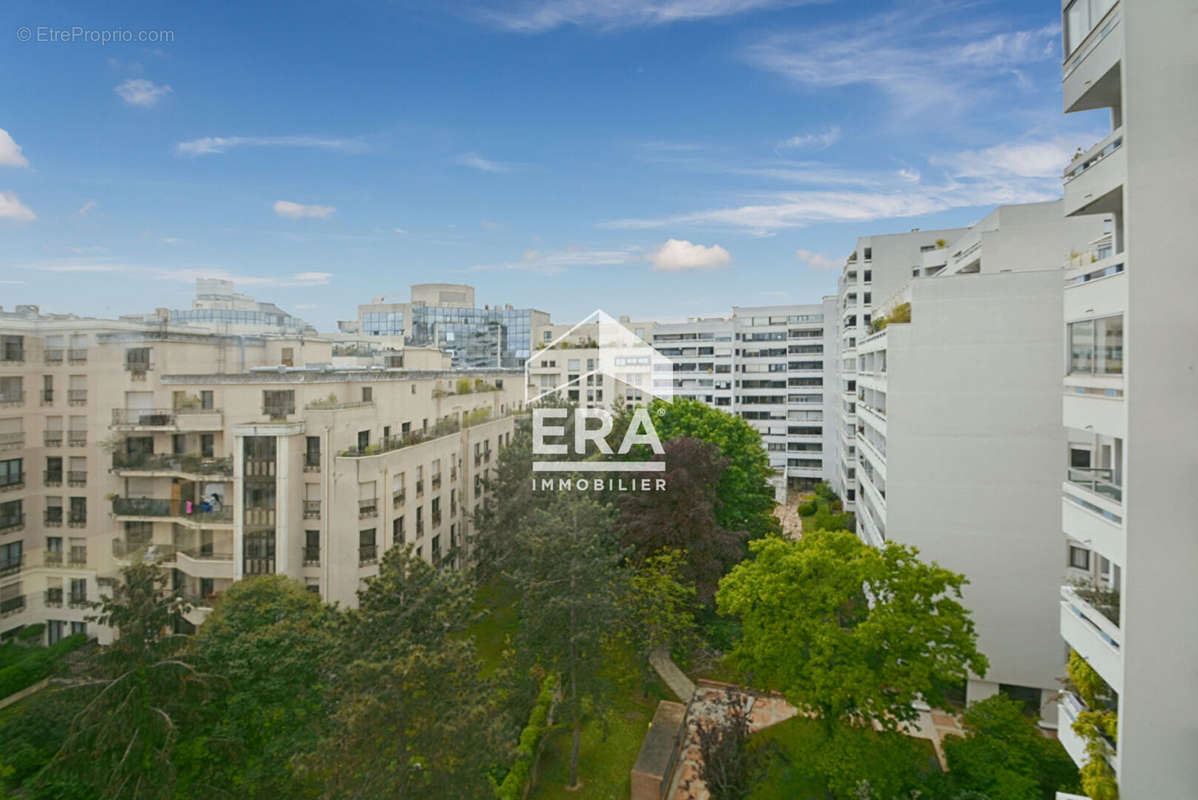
853	634
685	516
1005	757
142	690
656	607
569	580
414	718
275	645
746	498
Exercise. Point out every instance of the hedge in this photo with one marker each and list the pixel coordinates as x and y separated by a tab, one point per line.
512	787
40	663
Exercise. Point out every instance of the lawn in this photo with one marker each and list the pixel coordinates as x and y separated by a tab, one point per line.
898	759
604	762
496	624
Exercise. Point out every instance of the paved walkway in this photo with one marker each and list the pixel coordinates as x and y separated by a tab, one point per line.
788	514
682	686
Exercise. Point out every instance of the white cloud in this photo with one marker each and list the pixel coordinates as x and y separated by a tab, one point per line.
475	161
10	152
918	57
290	210
87	208
557	261
819	140
171	240
180	274
1043	159
677	255
400	230
210	145
818	261
141	92
537	16
12	208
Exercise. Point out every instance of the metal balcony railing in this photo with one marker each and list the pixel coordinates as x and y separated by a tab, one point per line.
77	477
12	482
77	355
53	355
144	417
368	508
170	462
367	554
1099	480
311	509
77	438
12	605
51	439
77	397
182	509
12	522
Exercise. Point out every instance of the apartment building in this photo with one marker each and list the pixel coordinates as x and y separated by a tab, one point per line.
1128	507
224	456
443	316
876	268
768	364
220	308
957	431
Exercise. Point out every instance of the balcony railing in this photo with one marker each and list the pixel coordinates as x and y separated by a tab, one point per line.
13	482
12	566
123	549
77	519
77	600
77	438
77	477
52	558
53	598
154	507
53	355
12	398
47	397
398	497
311	556
278	410
311	509
138	365
77	355
144	417
170	462
12	522
77	557
51	439
77	397
12	605
368	508
1094	156
367	554
52	478
1099	480
11	440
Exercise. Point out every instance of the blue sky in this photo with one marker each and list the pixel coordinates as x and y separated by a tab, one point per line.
662	158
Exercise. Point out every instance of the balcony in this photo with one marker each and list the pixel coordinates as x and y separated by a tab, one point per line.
52	439
12	523
78	601
181	511
1070	706
138	365
143	419
1094	520
200	564
13	605
367	554
311	509
1096	288
52	518
124	550
77	355
53	355
311	556
1094	180
52	598
1089	78
172	464
77	519
77	397
1095	637
368	508
52	558
77	438
1094	403
12	483
397	498
77	477
12	566
12	399
1097	480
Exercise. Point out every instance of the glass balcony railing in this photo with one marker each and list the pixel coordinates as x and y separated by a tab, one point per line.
1098	480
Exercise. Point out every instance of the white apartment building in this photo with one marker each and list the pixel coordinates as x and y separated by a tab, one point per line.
877	267
1128	506
958	433
224	456
770	365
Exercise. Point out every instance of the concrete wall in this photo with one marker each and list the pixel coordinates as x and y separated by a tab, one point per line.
975	452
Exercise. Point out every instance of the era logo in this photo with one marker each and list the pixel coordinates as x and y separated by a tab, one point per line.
640	431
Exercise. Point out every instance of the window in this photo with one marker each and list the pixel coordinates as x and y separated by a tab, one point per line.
363	441
311	548
78	514
278	403
78	592
367	394
312	453
1096	346
207	445
79	627
398	534
12	515
11	556
12	472
206	399
367	553
288	358
137	359
12	348
1079	558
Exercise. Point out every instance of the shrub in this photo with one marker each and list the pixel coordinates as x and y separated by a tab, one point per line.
807	509
40	663
32	633
465	386
512	787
